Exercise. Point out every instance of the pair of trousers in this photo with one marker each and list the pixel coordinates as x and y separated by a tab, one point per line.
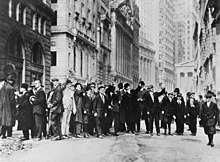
65	124
56	124
154	117
7	129
99	125
39	124
180	125
130	126
91	125
116	121
193	124
26	134
78	127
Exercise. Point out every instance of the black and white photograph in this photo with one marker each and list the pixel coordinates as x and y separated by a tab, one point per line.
109	80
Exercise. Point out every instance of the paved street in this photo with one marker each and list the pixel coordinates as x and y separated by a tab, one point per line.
126	148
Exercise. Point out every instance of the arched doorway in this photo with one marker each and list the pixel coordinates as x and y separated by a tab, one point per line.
38	63
15	54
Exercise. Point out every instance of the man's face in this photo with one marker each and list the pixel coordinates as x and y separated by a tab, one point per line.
78	87
89	92
151	90
22	90
208	99
55	83
175	93
37	84
192	96
102	90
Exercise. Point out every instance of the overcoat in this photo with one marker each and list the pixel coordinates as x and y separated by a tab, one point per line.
7	105
56	100
193	111
121	108
25	116
87	106
40	105
78	95
99	107
180	111
208	113
127	104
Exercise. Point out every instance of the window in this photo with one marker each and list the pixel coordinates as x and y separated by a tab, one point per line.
69	60
45	27
69	19
39	25
14	46
34	21
190	74
54	19
53	58
24	16
53	1
10	8
37	53
81	64
18	11
74	59
182	74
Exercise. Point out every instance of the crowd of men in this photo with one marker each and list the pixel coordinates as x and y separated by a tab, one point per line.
76	110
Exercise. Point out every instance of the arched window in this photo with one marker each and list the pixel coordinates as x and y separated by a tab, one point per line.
45	27
10	8
39	24
18	11
34	21
37	53
24	16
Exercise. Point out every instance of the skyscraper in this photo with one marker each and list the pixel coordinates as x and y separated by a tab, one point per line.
166	69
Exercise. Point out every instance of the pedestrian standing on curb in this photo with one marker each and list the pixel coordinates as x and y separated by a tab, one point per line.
192	107
209	115
100	111
120	93
127	104
7	103
78	95
167	112
200	108
179	114
56	109
154	108
87	106
39	108
24	111
69	106
142	108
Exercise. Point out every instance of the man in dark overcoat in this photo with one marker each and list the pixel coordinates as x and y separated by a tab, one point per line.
192	107
100	111
180	112
154	108
56	109
25	115
142	108
120	92
39	108
7	105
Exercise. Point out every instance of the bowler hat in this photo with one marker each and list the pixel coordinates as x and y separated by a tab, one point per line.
177	90
126	85
179	95
208	95
24	85
54	79
142	83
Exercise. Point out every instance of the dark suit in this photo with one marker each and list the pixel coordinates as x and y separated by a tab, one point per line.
142	109
154	109
56	111
39	111
193	113
179	113
25	116
87	106
100	108
168	108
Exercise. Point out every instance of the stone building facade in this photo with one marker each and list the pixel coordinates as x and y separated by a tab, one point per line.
25	39
124	41
207	39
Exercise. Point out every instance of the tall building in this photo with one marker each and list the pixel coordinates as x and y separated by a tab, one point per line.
186	17
166	71
208	52
25	39
186	20
124	41
74	50
147	41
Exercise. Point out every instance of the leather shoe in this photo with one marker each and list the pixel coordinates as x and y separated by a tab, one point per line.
100	137
158	134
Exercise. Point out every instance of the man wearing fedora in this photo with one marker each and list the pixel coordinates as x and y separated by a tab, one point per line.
56	109
192	107
39	108
154	108
7	105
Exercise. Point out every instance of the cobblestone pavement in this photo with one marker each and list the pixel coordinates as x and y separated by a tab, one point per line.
125	148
